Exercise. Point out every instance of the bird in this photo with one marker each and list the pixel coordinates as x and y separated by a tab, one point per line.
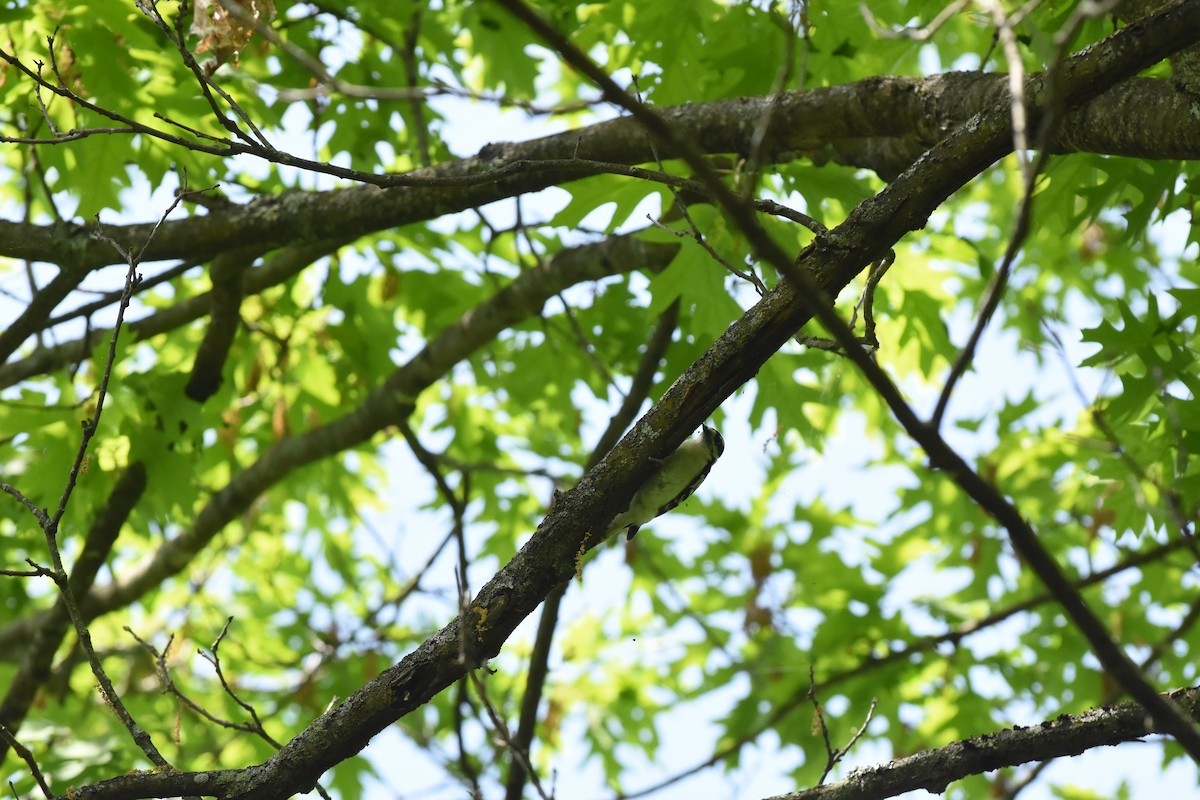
672	482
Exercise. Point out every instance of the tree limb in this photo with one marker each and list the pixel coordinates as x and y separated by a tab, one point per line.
935	770
382	407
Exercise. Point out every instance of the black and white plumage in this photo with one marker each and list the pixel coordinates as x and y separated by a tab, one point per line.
673	482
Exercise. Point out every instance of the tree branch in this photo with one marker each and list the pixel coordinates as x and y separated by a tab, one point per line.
639	390
881	123
45	640
566	534
384	406
935	770
225	320
278	268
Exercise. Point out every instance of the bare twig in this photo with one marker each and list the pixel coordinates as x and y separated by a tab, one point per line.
1011	790
169	686
433	87
25	755
35	571
37	657
581	339
458	506
50	523
921	34
465	764
50	528
506	737
41	515
780	210
214	658
1052	114
832	756
414	583
207	87
108	298
866	301
695	234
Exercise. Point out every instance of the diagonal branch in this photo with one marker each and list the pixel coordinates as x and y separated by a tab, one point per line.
962	155
38	657
639	390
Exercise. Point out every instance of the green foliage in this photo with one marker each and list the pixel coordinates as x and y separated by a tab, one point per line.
823	545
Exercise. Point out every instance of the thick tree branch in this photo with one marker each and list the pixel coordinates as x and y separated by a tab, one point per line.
935	770
880	123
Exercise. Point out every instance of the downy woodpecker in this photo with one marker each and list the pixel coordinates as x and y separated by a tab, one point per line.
673	482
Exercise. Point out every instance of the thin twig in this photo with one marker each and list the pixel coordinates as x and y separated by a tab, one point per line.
458	507
1052	116
1012	790
866	301
207	87
585	346
109	298
50	523
35	571
214	658
921	34
465	765
782	76
169	686
832	756
51	529
40	514
780	210
505	736
414	583
26	755
694	234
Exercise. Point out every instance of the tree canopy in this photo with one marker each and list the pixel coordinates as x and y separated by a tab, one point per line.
336	334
